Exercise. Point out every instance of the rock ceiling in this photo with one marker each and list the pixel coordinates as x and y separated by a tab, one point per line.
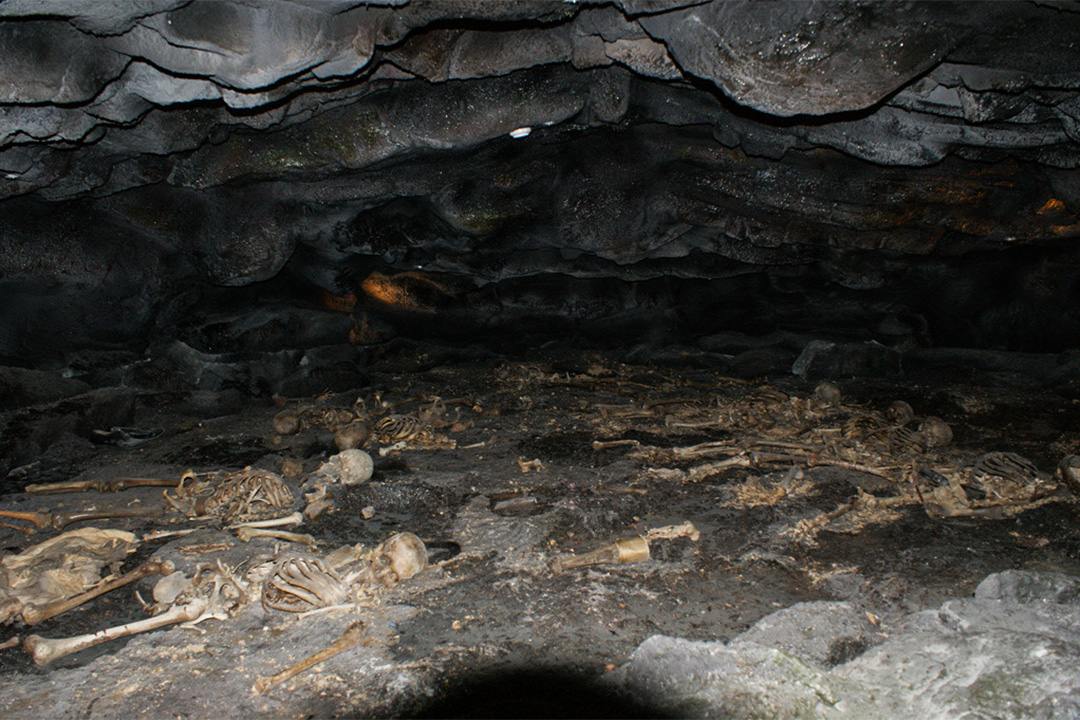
916	153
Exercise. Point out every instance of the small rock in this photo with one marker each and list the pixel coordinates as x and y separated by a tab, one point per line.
821	359
351	436
291	468
286	422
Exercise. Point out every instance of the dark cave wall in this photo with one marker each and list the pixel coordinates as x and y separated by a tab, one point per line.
903	172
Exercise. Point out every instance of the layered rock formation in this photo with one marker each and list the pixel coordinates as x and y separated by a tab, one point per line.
903	172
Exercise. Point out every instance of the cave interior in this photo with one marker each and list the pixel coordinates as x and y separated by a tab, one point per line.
803	274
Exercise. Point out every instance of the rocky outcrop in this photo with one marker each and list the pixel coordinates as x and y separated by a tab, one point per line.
154	150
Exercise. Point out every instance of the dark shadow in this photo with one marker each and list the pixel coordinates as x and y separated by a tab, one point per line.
550	692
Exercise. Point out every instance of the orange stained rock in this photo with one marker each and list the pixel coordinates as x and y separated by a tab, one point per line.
1051	206
341	303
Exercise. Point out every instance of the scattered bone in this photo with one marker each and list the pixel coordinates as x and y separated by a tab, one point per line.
805	531
528	465
754	493
246	534
11	642
1069	472
248	494
398	428
101	486
396	447
44	651
1008	466
40	519
204	548
350	606
318	502
671	532
294	420
168	588
59	521
620	552
34	614
905	440
162	534
293	519
346	555
59	568
352	635
703	471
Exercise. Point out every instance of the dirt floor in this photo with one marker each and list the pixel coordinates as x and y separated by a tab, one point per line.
511	465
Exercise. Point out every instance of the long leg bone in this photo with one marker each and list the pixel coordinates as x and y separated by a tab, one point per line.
62	520
350	637
293	519
102	486
44	650
32	615
247	533
59	521
40	519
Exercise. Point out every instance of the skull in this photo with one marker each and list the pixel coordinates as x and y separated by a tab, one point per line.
936	431
900	413
399	558
827	394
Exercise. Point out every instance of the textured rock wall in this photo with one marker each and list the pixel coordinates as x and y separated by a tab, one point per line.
871	158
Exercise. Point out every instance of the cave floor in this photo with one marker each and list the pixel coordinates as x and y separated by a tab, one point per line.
508	478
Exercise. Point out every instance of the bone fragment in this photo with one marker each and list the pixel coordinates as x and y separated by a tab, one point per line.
40	519
44	650
247	533
62	520
670	532
349	638
59	521
620	552
101	486
161	534
32	614
292	519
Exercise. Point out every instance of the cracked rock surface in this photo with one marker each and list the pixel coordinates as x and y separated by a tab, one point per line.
155	152
1008	652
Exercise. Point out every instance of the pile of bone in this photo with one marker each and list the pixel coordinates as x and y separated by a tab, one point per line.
293	584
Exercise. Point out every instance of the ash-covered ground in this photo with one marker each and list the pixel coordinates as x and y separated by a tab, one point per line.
798	498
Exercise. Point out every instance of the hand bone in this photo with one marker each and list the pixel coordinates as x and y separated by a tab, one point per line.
296	584
352	635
